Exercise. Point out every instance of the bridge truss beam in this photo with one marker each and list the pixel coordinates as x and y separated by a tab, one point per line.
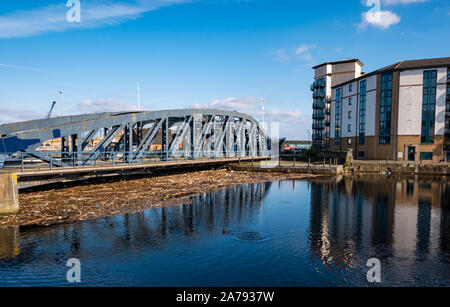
132	136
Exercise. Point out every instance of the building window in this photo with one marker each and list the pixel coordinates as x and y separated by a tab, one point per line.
361	154
337	129
349	128
385	108
350	101
350	88
426	156
362	112
428	106
349	114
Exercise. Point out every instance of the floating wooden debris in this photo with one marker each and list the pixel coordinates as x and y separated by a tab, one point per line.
82	202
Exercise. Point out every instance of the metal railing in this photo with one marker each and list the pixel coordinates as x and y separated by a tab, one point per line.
318	104
319	115
62	160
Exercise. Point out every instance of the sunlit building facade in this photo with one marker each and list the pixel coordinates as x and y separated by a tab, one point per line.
399	112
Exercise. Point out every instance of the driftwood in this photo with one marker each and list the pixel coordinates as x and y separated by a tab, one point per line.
83	202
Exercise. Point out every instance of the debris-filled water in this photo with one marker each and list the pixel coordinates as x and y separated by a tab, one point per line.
91	200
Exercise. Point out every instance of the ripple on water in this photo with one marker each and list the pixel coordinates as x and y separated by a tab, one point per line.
252	236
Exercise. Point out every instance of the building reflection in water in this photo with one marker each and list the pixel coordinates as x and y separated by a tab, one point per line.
245	233
404	218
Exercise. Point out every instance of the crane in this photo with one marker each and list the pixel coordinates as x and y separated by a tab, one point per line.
51	109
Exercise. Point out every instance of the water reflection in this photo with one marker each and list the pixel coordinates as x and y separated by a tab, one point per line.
402	220
9	241
308	232
217	213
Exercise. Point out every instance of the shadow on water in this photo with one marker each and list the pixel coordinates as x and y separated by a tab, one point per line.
307	232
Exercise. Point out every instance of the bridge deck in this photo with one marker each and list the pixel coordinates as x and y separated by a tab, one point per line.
39	177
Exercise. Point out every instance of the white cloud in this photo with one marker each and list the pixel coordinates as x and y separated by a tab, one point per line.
27	68
282	55
303	54
232	104
104	105
393	2
10	115
302	49
94	14
379	19
285	116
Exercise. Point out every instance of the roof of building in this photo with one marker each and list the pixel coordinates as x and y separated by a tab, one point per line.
340	62
404	65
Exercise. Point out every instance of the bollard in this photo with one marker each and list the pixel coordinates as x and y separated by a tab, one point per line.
9	194
309	161
294	161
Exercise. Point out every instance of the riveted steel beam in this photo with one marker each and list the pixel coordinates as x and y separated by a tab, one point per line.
200	133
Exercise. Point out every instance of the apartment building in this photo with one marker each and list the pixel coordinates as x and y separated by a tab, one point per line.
400	112
328	75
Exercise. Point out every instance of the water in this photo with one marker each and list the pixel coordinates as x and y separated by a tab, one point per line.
317	232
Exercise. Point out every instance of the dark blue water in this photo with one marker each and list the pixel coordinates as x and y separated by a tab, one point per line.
317	232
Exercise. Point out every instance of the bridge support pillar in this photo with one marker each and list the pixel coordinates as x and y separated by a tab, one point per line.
9	194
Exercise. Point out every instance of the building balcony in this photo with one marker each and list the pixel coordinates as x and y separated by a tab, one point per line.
318	105
318	115
317	137
318	95
318	84
318	126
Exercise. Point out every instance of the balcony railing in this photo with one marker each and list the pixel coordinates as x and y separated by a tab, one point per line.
318	104
318	126
317	137
319	115
318	84
318	94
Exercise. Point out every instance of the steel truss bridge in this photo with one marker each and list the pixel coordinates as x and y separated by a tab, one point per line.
128	137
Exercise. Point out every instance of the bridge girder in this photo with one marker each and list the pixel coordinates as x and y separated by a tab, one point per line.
197	133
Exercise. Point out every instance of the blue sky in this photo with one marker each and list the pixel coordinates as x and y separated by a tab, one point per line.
224	54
